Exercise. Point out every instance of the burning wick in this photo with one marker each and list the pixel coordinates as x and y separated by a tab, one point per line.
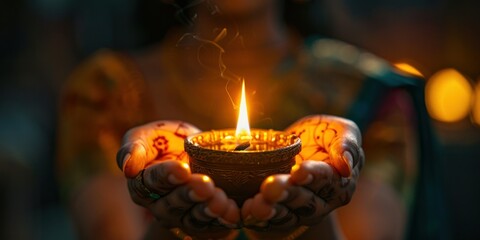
242	146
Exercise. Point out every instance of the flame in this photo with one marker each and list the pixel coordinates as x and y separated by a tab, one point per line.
243	127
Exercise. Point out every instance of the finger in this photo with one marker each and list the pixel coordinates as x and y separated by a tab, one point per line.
305	205
218	204
326	184
231	216
337	158
340	150
162	177
138	192
197	218
334	190
198	188
261	209
170	209
209	228
340	193
131	158
247	208
201	187
300	175
273	189
284	218
157	180
313	175
361	159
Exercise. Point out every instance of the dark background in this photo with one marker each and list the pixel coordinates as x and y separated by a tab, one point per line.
41	41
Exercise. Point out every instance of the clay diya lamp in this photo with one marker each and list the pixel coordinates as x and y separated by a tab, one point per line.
239	168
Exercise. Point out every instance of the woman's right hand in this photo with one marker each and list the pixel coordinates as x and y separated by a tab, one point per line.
159	178
323	180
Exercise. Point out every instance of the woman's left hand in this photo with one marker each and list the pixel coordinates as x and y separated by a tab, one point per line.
155	165
323	179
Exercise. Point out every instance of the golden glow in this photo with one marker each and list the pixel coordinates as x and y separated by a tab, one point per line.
269	179
295	168
185	165
405	67
476	104
448	96
205	178
243	127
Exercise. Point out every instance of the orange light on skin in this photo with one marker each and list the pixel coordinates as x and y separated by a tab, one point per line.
295	168
269	179
407	68
206	178
274	188
448	96
185	165
201	187
243	126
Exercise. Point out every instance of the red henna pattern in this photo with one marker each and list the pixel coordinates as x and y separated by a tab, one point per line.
182	130
161	144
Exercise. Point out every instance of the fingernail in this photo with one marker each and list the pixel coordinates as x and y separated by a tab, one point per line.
227	223
247	220
307	180
262	224
194	196
272	213
210	213
174	180
250	221
347	156
283	197
125	160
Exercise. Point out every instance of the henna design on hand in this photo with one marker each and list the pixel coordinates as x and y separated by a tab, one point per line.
317	135
182	130
307	210
161	144
327	193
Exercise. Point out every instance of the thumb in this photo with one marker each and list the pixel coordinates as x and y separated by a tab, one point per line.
131	158
343	156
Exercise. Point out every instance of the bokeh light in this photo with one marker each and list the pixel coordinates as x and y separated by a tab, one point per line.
476	104
448	96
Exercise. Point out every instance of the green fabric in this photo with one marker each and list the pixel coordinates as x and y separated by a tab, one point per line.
428	217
